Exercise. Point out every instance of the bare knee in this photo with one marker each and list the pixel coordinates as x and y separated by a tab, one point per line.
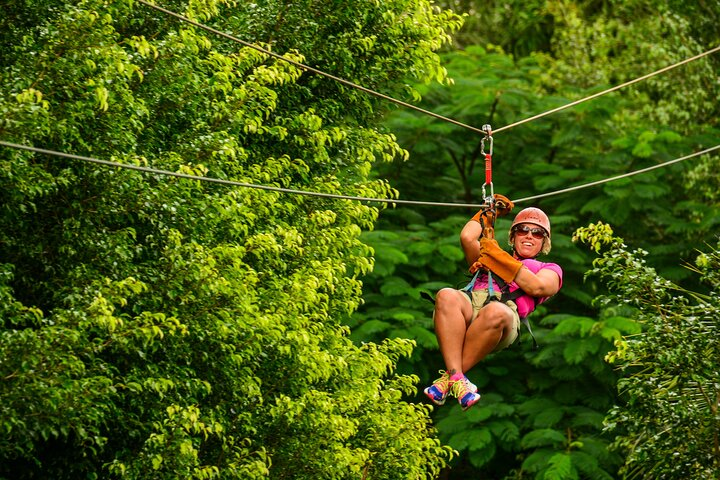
450	301
495	316
447	298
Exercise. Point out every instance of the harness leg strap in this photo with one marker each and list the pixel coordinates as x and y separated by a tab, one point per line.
526	322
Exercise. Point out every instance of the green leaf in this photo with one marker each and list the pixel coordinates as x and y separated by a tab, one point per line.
543	437
453	423
537	460
452	253
498	371
625	325
575	351
423	337
371	327
571	325
548	418
396	286
505	430
479	439
480	413
481	457
536	406
560	467
460	440
643	150
589	466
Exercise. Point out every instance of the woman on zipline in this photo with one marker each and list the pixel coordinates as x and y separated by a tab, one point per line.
485	318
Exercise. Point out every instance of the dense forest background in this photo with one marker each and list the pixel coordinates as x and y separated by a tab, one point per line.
155	327
544	413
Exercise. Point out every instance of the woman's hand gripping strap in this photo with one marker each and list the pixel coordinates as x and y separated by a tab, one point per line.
503	205
496	260
500	206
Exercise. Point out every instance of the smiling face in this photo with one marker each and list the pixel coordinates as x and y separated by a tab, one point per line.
527	239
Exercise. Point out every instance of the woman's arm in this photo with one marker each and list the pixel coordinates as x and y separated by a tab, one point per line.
545	283
470	240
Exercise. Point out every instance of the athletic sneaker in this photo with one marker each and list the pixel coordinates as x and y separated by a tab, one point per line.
438	391
471	386
466	393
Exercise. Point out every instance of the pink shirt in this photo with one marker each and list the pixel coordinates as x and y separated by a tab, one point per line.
525	303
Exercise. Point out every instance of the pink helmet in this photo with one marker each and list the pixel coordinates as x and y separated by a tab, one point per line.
532	215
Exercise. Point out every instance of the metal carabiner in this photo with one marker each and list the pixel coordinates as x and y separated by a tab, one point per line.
488	135
489	199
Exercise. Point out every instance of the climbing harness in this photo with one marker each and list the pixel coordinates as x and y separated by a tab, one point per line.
503	296
506	296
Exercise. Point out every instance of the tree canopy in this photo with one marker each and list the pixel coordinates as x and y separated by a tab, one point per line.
156	327
543	412
670	371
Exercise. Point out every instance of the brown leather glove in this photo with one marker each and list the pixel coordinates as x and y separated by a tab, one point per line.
503	205
486	217
477	266
497	260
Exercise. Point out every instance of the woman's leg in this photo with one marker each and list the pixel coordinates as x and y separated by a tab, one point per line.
453	313
492	324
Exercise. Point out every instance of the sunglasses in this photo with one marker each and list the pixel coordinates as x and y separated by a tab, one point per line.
536	232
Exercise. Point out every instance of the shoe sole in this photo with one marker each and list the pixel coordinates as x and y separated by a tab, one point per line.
432	399
470	404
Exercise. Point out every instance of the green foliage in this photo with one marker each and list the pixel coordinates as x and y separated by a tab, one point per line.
408	267
378	45
158	328
519	27
564	387
515	60
666	423
631	129
588	44
598	46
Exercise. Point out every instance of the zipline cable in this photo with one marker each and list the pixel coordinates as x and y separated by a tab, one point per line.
380	95
618	177
309	68
226	182
408	105
331	195
611	89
